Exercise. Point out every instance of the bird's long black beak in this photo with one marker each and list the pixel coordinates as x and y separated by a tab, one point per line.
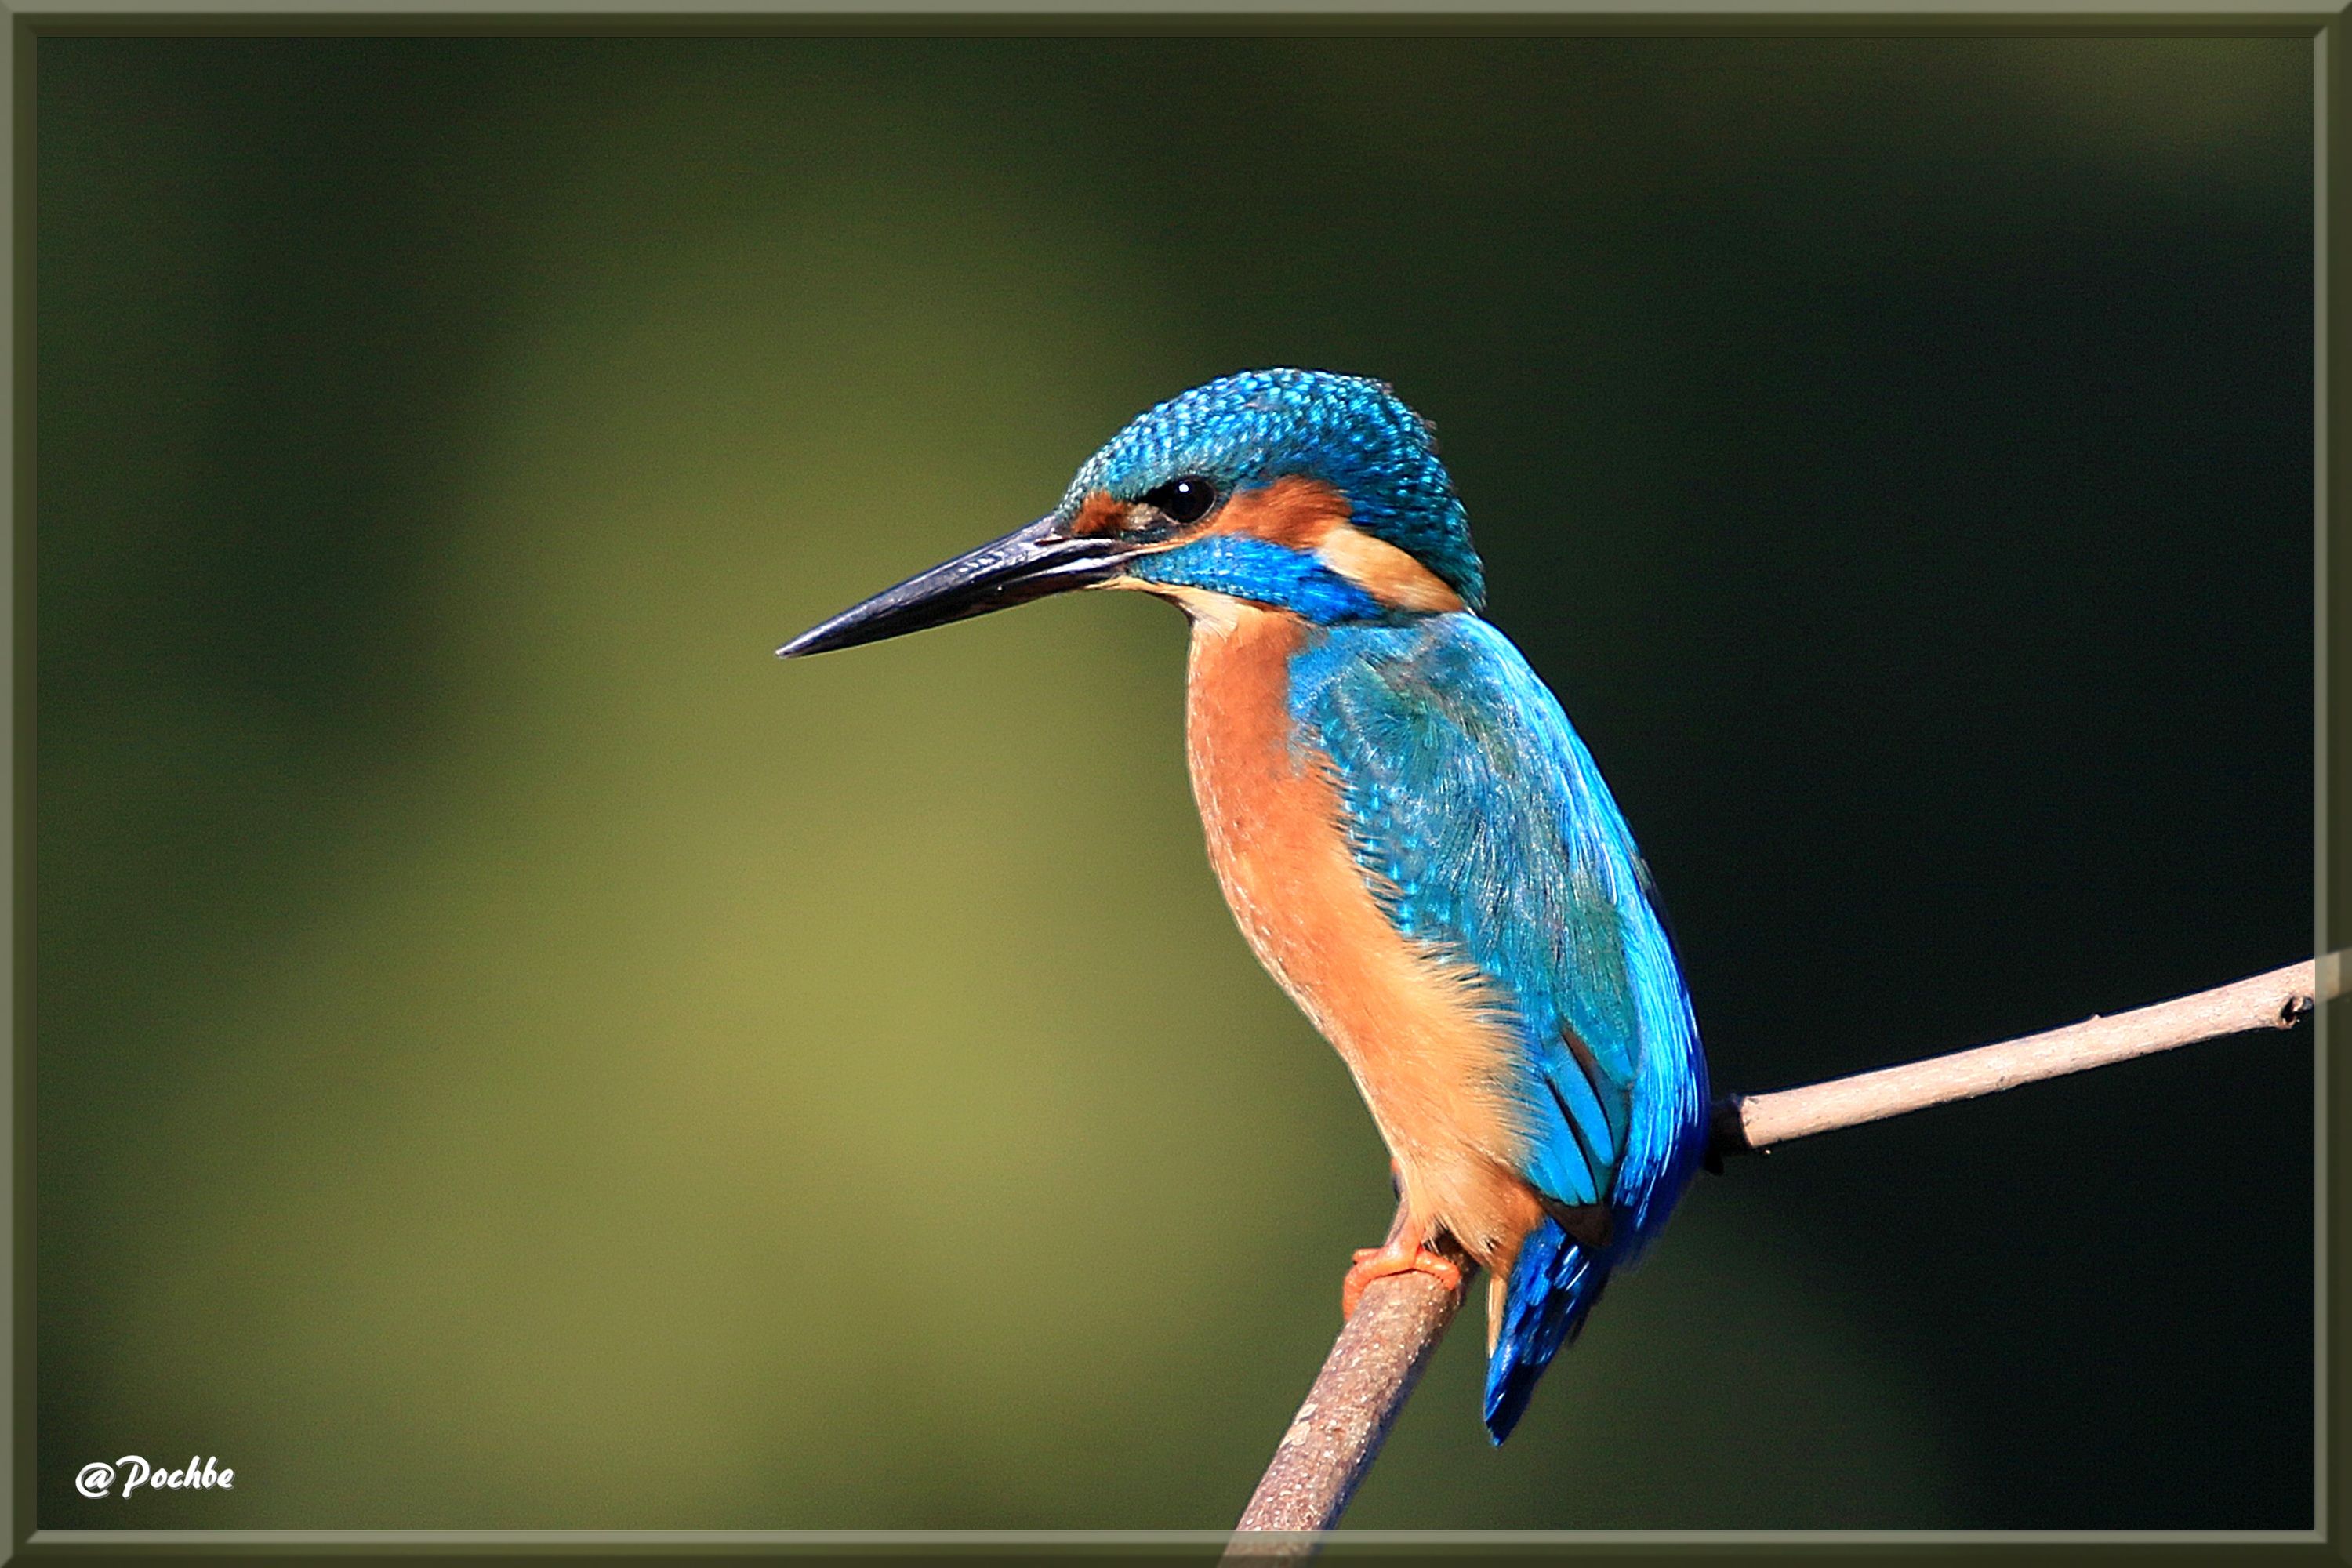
1027	565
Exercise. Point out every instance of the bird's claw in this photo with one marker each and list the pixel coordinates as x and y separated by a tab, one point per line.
1379	1262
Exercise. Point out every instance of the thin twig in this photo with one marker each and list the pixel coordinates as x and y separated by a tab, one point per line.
2273	1001
1398	1322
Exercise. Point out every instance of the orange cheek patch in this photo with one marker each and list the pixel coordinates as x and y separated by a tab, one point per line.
1292	511
1310	517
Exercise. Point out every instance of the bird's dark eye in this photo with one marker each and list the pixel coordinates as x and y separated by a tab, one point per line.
1187	499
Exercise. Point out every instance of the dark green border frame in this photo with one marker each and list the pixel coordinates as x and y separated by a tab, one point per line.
2323	23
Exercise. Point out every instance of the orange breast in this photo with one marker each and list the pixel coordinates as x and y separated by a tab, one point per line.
1421	1034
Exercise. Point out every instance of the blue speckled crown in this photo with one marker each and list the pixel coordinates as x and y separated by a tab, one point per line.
1262	424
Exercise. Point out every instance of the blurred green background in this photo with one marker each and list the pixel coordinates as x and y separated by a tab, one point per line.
511	1054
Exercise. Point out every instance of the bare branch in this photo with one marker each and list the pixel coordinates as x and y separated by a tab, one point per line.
1382	1349
1364	1381
2273	1001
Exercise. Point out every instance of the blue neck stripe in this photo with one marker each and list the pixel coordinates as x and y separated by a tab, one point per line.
1270	574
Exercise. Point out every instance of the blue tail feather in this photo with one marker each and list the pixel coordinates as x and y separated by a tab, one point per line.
1553	1285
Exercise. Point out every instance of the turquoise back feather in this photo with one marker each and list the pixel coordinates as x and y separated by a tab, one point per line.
1487	832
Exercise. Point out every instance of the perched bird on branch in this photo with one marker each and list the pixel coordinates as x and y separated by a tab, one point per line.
1413	837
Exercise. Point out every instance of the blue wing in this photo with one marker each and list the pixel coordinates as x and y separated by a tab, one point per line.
1492	835
1488	831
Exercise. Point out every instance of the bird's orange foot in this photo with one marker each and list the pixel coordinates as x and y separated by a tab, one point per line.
1396	1258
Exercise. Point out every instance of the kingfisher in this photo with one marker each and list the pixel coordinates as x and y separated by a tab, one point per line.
1414	839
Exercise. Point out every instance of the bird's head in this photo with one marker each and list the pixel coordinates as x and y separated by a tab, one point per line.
1314	493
